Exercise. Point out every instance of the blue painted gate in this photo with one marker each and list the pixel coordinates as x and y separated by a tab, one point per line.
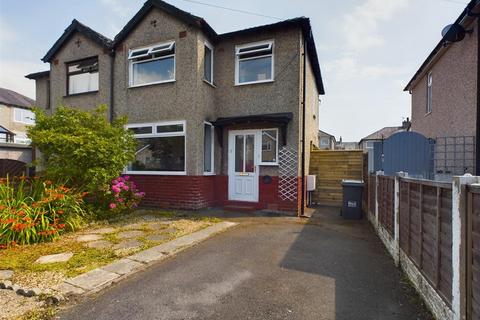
406	151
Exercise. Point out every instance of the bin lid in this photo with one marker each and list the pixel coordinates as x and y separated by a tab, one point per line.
353	183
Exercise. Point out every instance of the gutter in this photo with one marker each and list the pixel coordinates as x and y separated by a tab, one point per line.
112	69
304	93
477	140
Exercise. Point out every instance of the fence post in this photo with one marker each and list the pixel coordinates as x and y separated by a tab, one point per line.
459	208
376	198
396	220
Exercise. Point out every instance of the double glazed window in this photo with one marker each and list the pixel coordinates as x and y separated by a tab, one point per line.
23	116
153	64
82	76
208	63
269	147
160	149
429	93
208	143
254	63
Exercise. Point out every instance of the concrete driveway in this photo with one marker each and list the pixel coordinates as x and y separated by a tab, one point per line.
267	268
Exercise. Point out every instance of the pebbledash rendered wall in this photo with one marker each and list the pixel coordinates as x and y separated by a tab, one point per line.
192	99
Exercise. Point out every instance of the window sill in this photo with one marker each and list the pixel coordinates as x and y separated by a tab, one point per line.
253	82
150	84
428	113
156	173
80	94
209	83
209	174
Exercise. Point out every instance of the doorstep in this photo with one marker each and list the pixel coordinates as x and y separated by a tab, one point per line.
97	279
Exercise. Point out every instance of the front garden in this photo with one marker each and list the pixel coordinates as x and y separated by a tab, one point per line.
79	212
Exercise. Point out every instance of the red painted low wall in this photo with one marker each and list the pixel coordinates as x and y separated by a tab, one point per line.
196	192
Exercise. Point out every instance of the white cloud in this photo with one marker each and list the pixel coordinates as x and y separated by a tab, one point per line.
118	6
361	25
12	76
348	68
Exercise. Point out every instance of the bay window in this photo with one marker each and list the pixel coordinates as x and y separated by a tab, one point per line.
82	76
160	148
254	63
153	64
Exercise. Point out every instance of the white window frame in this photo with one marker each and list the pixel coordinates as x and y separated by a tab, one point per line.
212	129
22	111
429	93
151	50
154	134
209	46
254	44
276	150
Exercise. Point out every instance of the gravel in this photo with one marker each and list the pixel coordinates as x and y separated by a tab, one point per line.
14	305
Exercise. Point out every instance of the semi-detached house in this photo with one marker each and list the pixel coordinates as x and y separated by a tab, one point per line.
220	119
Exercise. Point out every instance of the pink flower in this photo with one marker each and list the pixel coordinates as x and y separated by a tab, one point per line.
125	187
112	205
115	189
126	178
114	181
120	200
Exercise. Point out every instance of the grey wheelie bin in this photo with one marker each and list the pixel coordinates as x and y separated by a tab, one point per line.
352	199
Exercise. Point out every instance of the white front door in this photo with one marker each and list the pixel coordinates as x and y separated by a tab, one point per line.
243	154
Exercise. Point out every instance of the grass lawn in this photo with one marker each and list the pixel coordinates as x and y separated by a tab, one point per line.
161	226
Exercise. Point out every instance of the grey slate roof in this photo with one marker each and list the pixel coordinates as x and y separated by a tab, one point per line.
12	98
383	133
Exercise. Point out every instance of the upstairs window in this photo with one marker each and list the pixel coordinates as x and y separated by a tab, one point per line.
254	63
429	93
23	116
208	63
82	76
154	64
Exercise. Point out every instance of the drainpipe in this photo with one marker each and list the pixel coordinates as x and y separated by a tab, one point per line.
112	66
302	209
477	139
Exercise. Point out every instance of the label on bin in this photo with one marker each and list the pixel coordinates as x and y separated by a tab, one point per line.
352	204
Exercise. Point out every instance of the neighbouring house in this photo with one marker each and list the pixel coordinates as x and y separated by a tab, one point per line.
326	140
366	143
446	96
346	145
15	117
219	118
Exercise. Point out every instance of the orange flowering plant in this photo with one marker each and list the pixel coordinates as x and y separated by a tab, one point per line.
37	210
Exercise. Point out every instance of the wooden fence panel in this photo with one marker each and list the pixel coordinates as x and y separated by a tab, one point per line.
426	231
12	168
386	207
473	254
331	167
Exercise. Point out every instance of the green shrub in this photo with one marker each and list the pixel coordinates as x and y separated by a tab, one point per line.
37	210
82	148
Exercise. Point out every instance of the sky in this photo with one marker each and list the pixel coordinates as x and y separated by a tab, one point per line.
368	49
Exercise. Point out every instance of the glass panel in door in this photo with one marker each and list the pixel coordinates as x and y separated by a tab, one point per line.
249	153
239	153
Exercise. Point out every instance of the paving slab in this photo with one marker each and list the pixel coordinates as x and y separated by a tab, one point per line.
157	237
53	258
128	244
6	274
149	255
169	230
99	244
130	234
88	237
123	266
66	288
103	230
93	279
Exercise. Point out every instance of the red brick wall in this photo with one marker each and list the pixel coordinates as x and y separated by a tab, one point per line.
196	192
